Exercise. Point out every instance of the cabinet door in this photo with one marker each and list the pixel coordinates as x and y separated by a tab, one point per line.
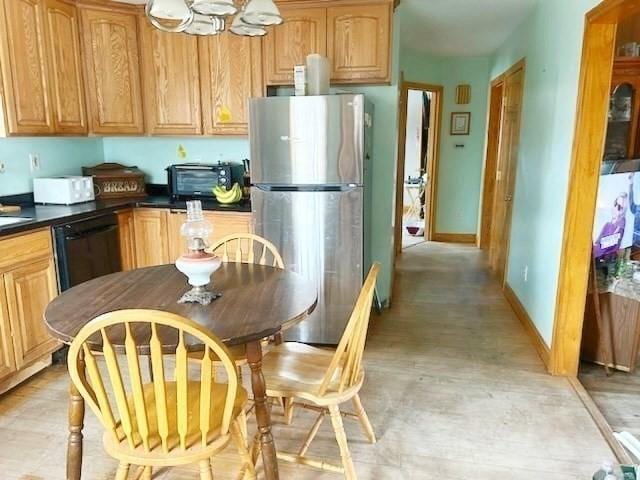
126	232
359	42
110	48
227	223
171	80
224	223
177	244
67	85
230	73
7	358
29	290
27	100
151	237
304	31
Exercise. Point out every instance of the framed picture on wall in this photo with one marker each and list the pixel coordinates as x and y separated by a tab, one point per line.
460	123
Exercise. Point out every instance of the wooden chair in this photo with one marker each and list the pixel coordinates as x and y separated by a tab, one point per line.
321	380
247	248
167	421
244	248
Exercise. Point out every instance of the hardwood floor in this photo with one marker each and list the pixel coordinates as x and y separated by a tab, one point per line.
617	397
454	390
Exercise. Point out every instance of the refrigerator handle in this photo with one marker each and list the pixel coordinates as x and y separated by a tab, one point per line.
308	188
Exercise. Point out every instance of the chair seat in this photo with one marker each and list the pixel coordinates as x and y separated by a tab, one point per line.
297	370
121	449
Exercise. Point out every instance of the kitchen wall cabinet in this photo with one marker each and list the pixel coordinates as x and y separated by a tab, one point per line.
359	42
126	233
26	102
230	74
150	226
304	31
111	65
65	67
355	37
27	285
171	80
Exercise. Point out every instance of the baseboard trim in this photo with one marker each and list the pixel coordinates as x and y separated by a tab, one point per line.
601	422
541	347
454	237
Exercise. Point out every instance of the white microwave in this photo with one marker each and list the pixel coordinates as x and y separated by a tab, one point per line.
63	190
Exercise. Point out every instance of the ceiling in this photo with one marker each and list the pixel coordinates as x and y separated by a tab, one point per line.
460	27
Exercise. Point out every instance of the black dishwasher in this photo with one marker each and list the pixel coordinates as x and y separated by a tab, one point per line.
87	249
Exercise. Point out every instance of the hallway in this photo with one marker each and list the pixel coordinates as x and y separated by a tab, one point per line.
454	389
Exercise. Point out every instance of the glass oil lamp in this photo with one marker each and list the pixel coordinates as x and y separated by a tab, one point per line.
196	263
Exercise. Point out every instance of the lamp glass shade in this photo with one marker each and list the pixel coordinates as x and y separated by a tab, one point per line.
240	27
214	7
261	12
169	9
205	25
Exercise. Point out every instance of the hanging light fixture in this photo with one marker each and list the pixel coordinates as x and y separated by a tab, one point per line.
262	12
169	15
240	27
209	17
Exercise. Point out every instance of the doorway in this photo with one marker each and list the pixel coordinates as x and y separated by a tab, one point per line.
502	155
418	148
599	53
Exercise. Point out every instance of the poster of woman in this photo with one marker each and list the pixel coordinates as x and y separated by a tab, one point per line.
613	215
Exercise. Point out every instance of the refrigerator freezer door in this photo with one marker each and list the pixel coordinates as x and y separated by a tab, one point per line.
315	140
319	235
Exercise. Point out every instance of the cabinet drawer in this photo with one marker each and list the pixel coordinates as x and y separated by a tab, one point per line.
24	247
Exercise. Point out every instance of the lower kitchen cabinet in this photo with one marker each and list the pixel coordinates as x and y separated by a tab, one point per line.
29	289
224	223
27	285
151	237
7	356
126	233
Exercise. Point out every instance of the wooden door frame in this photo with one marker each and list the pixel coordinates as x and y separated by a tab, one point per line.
492	151
432	186
520	65
588	147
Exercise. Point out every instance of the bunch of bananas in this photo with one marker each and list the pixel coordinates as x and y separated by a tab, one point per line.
228	196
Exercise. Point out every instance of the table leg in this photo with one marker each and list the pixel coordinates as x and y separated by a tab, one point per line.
76	423
263	416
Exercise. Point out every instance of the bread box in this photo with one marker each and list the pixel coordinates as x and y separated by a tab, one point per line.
112	180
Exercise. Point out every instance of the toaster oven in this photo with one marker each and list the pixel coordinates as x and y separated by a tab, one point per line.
197	180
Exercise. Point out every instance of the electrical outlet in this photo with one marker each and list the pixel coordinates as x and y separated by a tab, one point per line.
3	166
525	273
34	162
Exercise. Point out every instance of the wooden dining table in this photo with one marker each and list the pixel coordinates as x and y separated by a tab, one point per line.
257	302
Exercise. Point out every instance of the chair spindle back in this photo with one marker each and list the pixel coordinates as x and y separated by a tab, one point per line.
146	421
347	359
247	248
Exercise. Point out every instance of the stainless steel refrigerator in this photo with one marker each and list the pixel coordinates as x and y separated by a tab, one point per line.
310	171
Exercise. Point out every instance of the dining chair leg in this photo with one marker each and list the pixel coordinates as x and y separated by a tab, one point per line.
288	410
341	437
147	474
241	444
206	472
123	471
312	434
364	419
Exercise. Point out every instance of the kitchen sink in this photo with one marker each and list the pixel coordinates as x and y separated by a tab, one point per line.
13	220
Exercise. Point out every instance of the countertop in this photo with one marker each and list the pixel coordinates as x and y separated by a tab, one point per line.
52	215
